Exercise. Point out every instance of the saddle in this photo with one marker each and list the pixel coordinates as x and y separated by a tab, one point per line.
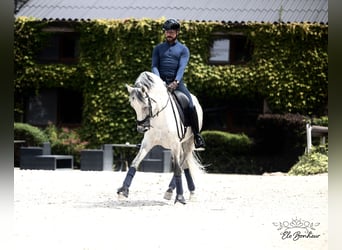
182	104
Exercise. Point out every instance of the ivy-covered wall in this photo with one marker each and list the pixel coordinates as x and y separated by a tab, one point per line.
289	68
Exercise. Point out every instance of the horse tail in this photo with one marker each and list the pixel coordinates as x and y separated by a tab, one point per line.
193	160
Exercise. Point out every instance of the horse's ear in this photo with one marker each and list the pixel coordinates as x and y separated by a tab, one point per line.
129	88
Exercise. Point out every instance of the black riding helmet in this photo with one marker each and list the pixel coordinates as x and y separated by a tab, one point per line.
171	24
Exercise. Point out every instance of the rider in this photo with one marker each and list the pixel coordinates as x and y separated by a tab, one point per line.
169	60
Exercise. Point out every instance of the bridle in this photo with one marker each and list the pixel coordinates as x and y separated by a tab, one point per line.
145	123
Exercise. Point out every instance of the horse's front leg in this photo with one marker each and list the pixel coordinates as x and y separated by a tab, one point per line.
178	181
124	190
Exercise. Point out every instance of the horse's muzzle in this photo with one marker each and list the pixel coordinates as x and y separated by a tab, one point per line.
142	129
143	126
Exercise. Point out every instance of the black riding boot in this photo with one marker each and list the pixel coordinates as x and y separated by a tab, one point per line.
199	141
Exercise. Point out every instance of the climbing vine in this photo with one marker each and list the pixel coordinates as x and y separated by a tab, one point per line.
289	67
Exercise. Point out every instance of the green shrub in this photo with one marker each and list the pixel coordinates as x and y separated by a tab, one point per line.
315	162
33	136
227	153
65	141
320	121
230	143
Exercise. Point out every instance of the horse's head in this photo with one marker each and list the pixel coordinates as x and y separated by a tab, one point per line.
148	89
141	103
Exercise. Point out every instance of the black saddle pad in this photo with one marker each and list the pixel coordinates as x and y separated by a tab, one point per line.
182	103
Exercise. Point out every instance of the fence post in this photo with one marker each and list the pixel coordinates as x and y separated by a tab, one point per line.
46	148
107	157
308	137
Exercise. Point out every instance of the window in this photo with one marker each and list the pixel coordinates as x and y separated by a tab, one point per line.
61	46
219	52
69	107
233	48
59	106
41	109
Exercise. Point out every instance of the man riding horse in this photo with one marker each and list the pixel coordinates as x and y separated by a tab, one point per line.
154	105
169	60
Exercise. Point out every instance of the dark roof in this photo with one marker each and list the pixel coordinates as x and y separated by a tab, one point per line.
314	11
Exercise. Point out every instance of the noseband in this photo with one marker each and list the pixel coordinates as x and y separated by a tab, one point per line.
146	121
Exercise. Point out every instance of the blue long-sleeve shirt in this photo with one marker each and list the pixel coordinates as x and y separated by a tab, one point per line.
170	61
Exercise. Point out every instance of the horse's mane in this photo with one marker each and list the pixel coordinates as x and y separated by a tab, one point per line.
138	94
146	79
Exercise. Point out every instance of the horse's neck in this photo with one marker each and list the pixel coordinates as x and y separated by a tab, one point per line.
166	108
160	96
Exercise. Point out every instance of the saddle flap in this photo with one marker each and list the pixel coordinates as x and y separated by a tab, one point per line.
182	103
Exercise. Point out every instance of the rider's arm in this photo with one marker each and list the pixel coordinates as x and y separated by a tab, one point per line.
183	62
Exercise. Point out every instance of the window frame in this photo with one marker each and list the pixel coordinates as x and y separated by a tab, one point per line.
233	49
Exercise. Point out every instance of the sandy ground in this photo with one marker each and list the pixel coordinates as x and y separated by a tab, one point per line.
73	209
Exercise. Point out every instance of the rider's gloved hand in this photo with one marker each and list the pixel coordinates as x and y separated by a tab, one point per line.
172	86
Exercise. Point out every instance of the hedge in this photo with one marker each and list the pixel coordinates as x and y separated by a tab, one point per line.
227	153
279	146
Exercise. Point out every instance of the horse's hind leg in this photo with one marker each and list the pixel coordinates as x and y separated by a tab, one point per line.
189	180
169	191
179	185
172	185
179	189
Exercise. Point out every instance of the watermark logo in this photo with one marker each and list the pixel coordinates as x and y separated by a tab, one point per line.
297	229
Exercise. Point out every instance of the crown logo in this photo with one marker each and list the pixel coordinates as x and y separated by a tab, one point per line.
297	229
296	224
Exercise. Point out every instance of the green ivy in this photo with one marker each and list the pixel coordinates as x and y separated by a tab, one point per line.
289	68
315	162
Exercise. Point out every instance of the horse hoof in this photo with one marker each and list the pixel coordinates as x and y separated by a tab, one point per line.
168	194
123	191
180	198
192	196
